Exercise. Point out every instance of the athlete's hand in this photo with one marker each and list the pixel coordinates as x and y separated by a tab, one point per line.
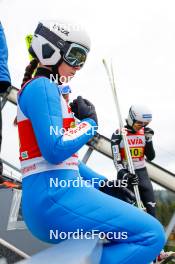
132	179
124	194
83	108
128	195
148	134
114	189
4	86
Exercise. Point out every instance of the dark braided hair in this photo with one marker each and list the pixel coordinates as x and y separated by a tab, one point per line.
29	71
27	76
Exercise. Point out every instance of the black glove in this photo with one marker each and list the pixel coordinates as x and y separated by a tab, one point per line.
148	134
82	109
132	179
116	138
121	193
4	86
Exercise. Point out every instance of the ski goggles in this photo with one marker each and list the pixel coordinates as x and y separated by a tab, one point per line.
73	54
76	55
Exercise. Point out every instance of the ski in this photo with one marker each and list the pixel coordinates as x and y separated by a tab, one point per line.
111	78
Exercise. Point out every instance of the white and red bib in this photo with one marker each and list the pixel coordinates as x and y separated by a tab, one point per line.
136	144
31	158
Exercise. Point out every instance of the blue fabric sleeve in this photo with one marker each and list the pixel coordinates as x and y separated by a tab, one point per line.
40	102
88	174
4	72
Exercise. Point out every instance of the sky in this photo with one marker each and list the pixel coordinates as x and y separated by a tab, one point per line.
139	37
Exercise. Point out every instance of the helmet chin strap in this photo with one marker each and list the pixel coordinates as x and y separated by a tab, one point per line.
129	123
130	127
55	70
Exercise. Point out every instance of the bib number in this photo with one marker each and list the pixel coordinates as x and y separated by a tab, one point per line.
136	152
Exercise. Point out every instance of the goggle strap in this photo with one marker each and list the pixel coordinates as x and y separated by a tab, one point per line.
52	37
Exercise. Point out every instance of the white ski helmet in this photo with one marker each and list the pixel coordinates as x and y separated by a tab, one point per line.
139	113
54	40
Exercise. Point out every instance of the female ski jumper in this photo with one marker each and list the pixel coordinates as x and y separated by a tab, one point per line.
48	155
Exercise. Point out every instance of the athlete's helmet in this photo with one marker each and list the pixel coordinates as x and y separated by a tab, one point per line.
139	113
54	40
